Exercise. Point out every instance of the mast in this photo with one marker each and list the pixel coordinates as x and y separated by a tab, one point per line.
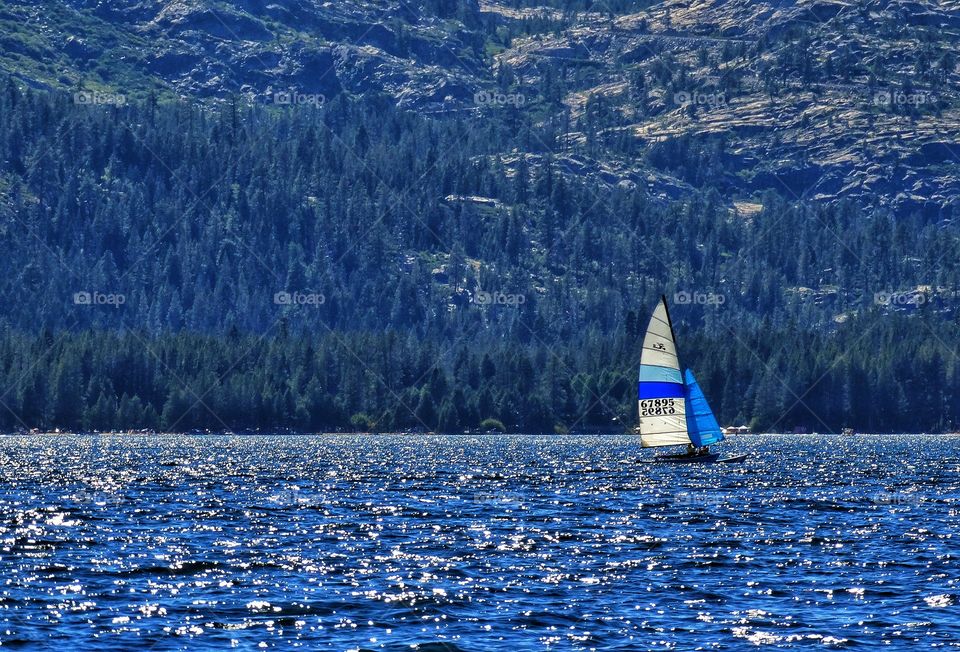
666	307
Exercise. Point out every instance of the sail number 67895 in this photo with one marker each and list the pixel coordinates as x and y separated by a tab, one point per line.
657	407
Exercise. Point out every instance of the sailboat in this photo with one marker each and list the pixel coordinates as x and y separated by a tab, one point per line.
673	408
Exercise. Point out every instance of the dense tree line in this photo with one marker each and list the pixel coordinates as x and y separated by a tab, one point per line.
875	373
335	254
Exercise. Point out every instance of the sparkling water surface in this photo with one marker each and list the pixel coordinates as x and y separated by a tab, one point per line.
476	543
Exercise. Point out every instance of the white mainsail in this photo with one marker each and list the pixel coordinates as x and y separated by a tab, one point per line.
660	392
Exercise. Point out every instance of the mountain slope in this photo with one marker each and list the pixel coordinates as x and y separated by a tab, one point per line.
814	100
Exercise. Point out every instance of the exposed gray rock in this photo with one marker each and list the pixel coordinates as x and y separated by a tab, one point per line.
820	99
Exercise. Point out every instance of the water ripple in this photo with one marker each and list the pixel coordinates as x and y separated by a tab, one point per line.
466	543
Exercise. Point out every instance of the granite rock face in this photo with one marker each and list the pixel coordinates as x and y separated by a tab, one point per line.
811	99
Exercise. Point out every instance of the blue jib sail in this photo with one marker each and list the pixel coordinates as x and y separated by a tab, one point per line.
702	426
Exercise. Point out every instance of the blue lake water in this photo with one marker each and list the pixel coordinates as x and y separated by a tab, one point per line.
476	543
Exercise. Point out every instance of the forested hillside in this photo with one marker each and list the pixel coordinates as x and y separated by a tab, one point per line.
177	265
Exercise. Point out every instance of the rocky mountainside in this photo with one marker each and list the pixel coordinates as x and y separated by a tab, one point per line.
814	99
206	48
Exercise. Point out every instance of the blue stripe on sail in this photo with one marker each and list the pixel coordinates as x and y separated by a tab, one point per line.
659	390
649	372
702	426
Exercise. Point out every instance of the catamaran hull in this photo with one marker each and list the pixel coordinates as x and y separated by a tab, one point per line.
688	459
732	460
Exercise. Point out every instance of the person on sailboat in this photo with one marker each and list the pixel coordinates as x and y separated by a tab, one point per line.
691	449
